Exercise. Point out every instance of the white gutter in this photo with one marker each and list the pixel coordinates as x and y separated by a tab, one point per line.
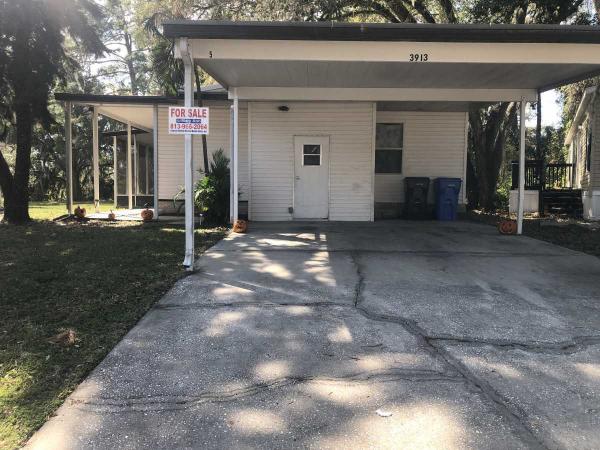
188	88
155	157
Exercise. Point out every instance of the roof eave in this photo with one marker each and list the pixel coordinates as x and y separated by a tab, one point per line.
339	31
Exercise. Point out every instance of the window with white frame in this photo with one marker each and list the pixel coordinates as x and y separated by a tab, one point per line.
389	147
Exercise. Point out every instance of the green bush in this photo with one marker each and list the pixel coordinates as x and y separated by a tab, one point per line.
211	193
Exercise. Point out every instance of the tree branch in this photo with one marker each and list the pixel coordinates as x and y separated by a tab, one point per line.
448	9
402	12
423	11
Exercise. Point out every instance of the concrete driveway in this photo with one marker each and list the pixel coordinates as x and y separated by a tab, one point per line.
385	335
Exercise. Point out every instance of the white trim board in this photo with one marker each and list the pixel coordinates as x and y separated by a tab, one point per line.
437	52
381	94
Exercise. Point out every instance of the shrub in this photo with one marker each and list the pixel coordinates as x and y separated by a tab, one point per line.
211	192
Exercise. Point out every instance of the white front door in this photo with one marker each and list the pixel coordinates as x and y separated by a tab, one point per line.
311	181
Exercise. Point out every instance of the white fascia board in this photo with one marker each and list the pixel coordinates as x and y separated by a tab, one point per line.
437	52
383	94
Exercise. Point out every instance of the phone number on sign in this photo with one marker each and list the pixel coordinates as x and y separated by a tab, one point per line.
189	126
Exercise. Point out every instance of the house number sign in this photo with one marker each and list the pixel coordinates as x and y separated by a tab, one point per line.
419	57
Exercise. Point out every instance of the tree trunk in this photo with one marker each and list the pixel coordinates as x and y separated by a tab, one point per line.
200	103
130	67
16	188
77	187
488	133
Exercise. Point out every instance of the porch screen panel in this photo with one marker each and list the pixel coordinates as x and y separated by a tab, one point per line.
150	169
121	167
142	170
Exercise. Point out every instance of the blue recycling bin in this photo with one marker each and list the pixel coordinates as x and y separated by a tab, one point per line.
446	198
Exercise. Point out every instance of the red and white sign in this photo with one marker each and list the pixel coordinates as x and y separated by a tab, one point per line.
188	120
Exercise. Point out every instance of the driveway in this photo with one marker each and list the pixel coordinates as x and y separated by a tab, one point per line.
330	335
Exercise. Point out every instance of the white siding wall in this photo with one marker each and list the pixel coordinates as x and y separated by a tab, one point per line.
434	146
171	153
350	127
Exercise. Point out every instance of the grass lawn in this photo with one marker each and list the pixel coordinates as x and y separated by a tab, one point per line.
49	211
97	279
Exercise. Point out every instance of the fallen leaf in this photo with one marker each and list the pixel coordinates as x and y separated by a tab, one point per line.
66	337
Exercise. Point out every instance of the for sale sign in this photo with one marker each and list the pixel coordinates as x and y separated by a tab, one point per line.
188	120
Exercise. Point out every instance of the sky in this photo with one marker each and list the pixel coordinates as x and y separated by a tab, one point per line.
551	110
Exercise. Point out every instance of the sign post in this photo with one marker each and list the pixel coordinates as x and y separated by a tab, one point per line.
187	121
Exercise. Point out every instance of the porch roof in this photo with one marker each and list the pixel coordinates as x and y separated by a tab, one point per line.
135	109
389	62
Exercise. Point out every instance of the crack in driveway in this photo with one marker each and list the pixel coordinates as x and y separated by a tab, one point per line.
432	344
178	402
512	413
574	345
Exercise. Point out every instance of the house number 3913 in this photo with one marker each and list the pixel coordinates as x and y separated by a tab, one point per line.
419	57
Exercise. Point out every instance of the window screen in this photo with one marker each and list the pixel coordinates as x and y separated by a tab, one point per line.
141	166
388	148
311	155
122	167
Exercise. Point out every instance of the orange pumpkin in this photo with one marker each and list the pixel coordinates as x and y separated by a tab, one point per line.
112	216
147	214
80	212
240	226
507	227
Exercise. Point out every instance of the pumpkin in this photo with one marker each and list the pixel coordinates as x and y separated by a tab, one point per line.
507	227
240	226
112	215
147	214
80	212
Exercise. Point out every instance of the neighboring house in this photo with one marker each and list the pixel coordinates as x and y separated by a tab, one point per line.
583	141
328	119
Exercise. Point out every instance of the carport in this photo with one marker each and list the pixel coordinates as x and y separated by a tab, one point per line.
417	64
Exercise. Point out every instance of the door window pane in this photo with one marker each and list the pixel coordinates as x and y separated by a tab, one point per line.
311	155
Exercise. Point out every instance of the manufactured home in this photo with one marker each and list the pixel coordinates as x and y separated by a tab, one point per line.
584	152
298	159
326	120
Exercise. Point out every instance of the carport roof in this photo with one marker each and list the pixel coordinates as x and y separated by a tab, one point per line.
389	62
411	32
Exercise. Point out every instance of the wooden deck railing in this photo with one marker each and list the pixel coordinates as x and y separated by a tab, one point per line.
540	176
